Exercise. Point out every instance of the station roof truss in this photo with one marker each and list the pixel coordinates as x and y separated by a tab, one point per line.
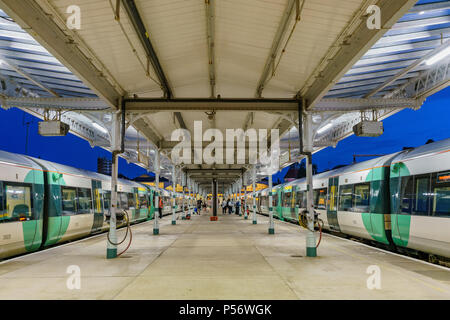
230	64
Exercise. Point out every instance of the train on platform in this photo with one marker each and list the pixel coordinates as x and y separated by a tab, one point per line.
399	201
43	203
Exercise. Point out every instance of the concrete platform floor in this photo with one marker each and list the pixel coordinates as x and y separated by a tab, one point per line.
227	259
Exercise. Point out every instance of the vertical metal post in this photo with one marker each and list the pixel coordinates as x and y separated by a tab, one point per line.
245	200
271	225
174	202
254	194
183	215
111	249
157	194
214	197
239	196
189	186
311	250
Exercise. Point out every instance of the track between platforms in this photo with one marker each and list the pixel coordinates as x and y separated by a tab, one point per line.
227	259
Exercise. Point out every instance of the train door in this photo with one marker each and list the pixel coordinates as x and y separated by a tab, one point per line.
98	204
333	184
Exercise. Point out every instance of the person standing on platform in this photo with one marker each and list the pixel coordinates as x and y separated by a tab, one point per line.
160	207
224	206
238	206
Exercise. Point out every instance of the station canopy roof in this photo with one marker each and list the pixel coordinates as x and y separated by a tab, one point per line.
230	64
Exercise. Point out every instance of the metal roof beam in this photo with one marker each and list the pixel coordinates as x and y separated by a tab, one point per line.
244	105
276	43
210	35
430	7
30	15
354	104
357	44
404	71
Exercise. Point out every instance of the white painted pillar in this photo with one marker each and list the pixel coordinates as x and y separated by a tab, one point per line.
271	225
111	249
157	193
174	197
311	250
245	200
254	194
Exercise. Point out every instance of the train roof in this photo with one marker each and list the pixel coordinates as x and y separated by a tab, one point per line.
18	159
427	149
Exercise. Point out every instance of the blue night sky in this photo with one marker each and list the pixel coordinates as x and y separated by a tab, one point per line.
406	128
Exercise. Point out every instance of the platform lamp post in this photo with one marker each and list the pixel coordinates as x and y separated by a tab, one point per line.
174	197
111	248
254	194
157	193
306	147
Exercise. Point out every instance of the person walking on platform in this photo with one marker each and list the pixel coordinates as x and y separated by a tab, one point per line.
224	206
160	207
238	206
230	206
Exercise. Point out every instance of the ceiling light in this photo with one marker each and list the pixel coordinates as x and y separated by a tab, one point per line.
99	127
438	57
325	128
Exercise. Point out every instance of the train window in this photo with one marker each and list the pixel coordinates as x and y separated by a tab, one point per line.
122	200
130	200
84	200
361	198
422	195
406	195
69	201
299	199
2	198
142	200
321	200
107	200
332	203
345	198
441	195
18	203
287	199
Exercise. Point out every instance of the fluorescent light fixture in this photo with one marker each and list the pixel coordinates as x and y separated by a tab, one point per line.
438	57
325	128
99	127
421	12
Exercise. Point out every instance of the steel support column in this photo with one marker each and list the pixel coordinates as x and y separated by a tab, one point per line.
174	197
271	225
111	249
254	194
308	147
157	195
245	201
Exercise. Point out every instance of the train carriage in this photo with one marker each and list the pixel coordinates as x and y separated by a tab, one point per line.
420	203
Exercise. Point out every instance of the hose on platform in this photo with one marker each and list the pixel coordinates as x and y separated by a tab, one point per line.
303	222
128	230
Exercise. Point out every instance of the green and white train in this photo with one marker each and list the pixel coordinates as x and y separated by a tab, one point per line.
401	200
44	203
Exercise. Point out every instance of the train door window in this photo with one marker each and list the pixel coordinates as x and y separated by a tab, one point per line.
361	197
345	198
332	204
122	200
2	202
441	194
98	205
299	198
142	200
69	201
406	195
107	200
130	200
287	199
18	203
422	195
321	199
84	200
274	198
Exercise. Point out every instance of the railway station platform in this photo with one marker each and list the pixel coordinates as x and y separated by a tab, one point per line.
227	259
